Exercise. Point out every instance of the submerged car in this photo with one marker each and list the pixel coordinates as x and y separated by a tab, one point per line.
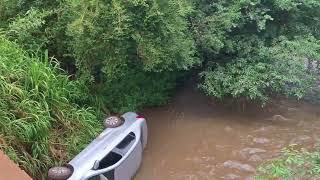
116	154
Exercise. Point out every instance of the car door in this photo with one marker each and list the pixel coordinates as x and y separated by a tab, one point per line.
122	162
131	164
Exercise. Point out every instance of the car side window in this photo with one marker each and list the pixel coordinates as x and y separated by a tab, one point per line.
126	141
112	158
109	160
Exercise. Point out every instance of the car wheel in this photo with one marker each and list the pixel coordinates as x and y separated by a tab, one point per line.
59	173
113	122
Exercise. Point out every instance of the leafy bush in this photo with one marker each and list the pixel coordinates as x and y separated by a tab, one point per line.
25	27
103	42
295	164
138	89
253	48
127	50
280	68
39	126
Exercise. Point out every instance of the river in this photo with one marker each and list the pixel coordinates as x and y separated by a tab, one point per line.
193	138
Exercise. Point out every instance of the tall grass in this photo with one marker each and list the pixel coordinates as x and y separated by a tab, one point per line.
40	124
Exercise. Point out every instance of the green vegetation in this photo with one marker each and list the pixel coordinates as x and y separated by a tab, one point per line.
295	164
127	54
135	49
118	56
253	48
39	124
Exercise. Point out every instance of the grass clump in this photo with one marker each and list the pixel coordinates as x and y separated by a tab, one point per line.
40	123
294	164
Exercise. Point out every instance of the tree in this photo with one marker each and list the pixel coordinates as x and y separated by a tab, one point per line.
251	48
133	47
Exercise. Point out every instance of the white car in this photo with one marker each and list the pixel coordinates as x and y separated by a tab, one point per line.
116	154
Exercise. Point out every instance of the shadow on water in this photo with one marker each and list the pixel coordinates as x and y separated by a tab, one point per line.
194	138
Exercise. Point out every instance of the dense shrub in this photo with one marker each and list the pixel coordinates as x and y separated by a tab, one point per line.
39	126
295	164
252	48
138	90
244	46
281	68
103	42
131	48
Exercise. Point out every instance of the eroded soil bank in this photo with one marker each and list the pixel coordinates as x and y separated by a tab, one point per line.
195	139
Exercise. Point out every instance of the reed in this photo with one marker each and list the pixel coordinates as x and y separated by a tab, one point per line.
40	124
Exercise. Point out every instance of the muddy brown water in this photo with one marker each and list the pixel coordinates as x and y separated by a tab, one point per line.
192	138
